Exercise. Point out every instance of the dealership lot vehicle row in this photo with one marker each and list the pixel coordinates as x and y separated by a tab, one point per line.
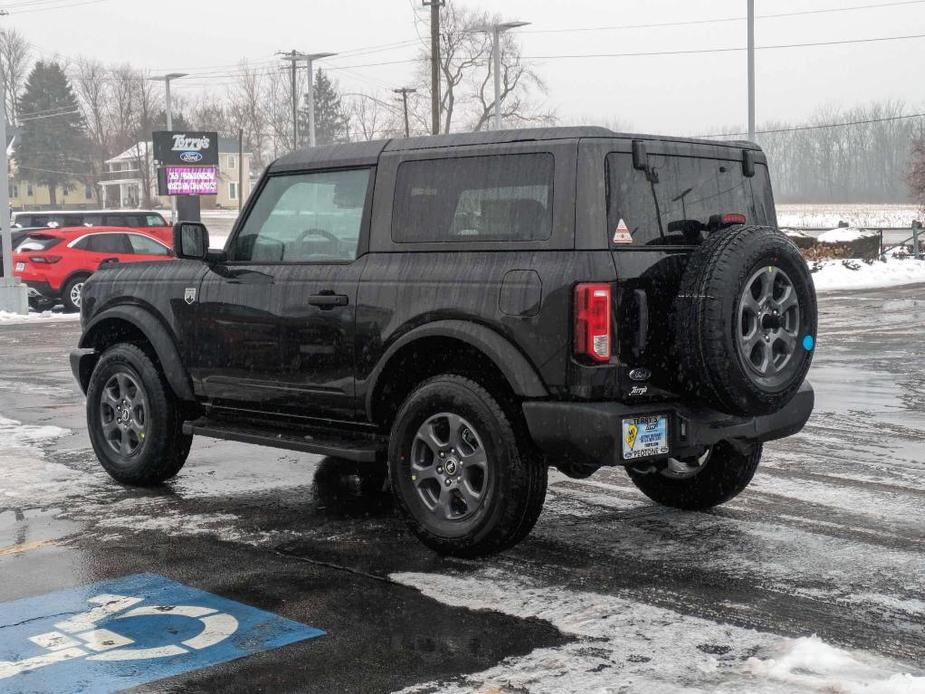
827	541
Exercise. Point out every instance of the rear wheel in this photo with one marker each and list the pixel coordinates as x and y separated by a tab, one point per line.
713	478
463	479
134	420
71	293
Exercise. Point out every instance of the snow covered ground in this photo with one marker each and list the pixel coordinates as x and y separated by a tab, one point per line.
7	318
861	215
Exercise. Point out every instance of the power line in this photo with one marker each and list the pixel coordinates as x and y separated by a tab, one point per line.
699	51
720	20
823	126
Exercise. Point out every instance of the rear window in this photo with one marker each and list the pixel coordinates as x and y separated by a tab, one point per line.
490	198
37	243
688	193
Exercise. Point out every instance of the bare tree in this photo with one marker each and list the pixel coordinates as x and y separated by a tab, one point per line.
374	118
15	59
467	81
247	111
90	82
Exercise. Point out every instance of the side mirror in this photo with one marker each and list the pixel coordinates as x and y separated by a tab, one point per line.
190	240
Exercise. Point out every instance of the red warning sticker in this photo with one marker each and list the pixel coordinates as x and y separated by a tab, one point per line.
622	234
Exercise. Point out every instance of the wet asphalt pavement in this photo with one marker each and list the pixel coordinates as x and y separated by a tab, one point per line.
609	593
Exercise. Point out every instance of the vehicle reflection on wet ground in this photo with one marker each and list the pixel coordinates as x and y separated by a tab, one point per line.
829	540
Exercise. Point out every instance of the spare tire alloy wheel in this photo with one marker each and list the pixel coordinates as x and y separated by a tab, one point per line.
745	321
124	414
449	467
769	320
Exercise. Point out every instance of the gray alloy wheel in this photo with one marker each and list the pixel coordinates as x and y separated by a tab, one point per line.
74	294
124	414
449	467
769	322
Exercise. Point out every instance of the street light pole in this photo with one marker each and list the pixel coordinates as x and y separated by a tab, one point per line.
168	107
751	70
496	30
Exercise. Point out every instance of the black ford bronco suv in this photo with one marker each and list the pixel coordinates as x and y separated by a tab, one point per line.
468	310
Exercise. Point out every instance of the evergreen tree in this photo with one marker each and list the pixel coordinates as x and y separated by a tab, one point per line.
52	147
332	123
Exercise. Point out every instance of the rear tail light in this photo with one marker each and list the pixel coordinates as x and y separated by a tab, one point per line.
46	259
593	335
731	219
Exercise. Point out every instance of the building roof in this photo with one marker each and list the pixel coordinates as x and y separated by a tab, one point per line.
367	153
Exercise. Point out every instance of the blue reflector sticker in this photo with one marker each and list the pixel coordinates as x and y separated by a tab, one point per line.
128	631
809	343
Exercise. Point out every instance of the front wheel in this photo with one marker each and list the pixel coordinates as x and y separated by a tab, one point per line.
463	478
134	419
713	478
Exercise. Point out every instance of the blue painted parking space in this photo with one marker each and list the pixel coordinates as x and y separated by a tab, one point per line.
128	631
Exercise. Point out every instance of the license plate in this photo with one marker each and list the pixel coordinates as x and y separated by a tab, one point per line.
645	437
20	267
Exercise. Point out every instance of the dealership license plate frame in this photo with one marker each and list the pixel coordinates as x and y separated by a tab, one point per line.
649	425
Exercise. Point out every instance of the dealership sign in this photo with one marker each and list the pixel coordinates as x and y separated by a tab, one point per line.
189	180
186	147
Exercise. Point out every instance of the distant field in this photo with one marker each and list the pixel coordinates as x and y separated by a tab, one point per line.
220	222
858	214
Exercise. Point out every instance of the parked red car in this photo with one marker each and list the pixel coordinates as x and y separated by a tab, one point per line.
55	263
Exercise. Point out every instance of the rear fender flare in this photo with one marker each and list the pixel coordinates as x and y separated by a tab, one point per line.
520	374
157	336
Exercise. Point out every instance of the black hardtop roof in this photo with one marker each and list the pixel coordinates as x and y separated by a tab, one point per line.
367	153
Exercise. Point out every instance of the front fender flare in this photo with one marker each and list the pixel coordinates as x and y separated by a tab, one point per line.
518	371
157	336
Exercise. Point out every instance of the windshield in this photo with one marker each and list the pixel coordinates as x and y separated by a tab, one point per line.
686	199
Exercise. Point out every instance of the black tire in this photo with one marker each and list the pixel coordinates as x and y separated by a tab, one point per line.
726	473
70	288
159	448
511	485
715	322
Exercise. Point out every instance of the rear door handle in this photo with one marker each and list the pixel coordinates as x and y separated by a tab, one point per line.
328	300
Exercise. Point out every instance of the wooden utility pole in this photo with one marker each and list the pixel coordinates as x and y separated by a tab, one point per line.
405	91
435	6
294	57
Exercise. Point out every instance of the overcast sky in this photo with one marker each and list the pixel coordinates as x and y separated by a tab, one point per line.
686	94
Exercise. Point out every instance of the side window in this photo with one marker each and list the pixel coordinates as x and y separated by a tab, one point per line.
109	243
487	198
93	220
114	220
154	220
313	217
142	245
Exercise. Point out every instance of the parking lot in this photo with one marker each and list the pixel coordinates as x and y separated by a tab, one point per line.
812	578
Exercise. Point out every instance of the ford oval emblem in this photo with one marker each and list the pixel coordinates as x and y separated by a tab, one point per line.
640	375
191	157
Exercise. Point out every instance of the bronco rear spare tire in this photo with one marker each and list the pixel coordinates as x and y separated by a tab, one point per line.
745	321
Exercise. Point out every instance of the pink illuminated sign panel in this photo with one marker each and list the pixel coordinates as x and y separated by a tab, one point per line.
192	180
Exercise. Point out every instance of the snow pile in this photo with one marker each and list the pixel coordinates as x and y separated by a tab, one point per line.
27	477
845	235
841	275
7	318
809	663
645	648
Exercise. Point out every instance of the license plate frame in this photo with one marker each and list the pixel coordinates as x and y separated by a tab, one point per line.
645	436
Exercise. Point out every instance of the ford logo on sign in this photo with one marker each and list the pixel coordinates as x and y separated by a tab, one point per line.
191	157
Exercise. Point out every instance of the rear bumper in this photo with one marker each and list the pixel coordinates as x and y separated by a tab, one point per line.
41	290
589	433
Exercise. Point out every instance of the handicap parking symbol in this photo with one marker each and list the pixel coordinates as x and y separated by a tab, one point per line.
128	631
